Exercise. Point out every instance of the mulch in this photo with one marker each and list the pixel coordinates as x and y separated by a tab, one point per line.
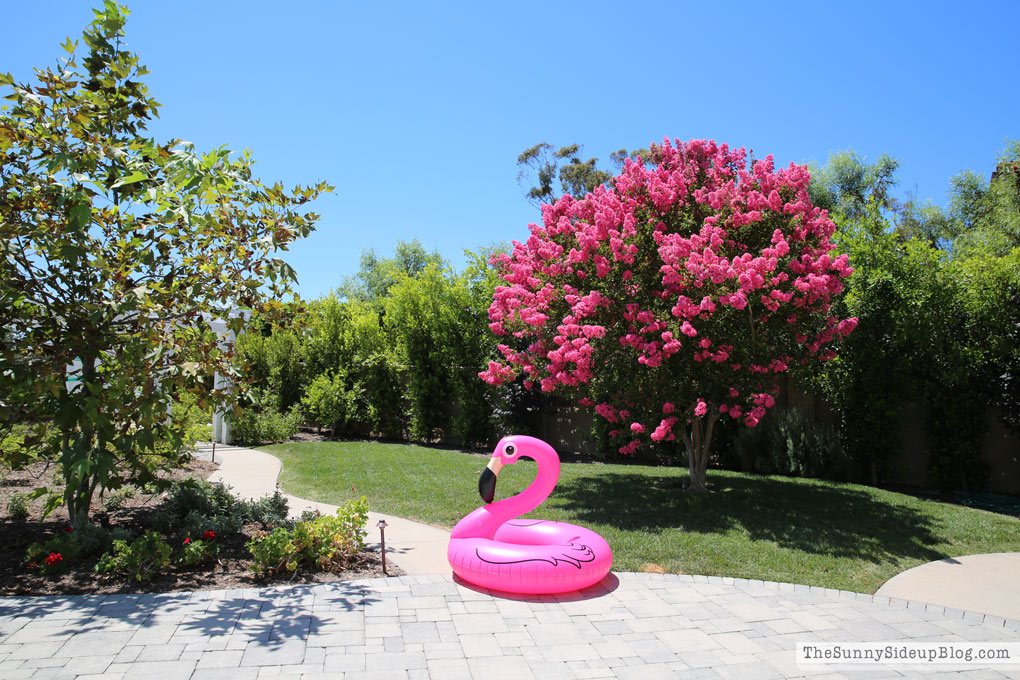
229	571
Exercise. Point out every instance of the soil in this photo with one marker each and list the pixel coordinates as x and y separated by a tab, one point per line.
229	571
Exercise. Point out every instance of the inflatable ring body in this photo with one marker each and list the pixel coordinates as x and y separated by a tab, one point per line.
532	557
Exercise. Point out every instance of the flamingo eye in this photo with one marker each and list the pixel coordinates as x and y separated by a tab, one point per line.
509	450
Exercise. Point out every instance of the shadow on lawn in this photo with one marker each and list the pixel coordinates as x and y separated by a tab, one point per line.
816	518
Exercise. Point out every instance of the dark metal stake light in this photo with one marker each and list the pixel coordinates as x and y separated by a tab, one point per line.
382	543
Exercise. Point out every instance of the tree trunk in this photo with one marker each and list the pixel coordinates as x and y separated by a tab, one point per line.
699	445
79	475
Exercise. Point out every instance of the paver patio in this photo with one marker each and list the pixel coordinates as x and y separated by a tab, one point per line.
427	626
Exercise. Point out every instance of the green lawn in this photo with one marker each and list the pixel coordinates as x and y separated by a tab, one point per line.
771	528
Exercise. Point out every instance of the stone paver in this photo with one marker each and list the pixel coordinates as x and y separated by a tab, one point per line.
630	626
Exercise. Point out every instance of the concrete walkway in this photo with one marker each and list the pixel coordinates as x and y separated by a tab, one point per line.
414	547
982	583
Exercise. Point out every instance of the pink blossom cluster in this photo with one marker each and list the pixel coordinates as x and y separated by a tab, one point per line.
703	277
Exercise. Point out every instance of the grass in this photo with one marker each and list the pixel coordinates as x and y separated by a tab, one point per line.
772	528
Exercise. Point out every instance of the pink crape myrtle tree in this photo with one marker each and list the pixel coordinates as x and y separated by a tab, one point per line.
675	297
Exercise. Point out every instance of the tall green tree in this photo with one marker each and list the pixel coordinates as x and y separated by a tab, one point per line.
983	217
900	299
116	252
542	165
376	275
848	182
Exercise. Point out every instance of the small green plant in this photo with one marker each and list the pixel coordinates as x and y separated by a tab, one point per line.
309	515
17	507
19	444
116	499
55	555
93	539
269	511
141	559
330	542
273	553
198	551
193	506
122	534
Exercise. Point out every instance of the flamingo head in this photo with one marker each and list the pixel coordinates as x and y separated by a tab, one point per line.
508	451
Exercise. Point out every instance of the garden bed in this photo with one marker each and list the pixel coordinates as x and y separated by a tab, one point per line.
229	570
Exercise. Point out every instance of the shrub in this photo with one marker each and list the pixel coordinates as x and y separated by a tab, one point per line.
17	507
122	534
193	507
331	541
19	443
141	559
259	427
195	421
327	542
92	539
328	403
268	511
790	442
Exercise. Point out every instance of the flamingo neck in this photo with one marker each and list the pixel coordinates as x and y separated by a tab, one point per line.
533	496
483	522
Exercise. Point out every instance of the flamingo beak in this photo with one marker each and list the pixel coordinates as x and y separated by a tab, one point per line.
487	482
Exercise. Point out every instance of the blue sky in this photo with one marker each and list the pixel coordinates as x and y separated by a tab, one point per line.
417	111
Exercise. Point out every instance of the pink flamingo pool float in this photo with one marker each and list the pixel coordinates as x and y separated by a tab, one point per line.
493	549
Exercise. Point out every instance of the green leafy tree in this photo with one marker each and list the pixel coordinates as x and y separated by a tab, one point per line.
990	290
274	366
420	320
542	164
982	217
376	275
376	371
848	182
879	370
116	252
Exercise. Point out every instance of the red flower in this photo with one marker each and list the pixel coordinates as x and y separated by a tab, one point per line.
187	541
54	558
31	565
209	535
68	530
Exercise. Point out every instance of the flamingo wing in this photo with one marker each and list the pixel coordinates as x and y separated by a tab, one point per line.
573	554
